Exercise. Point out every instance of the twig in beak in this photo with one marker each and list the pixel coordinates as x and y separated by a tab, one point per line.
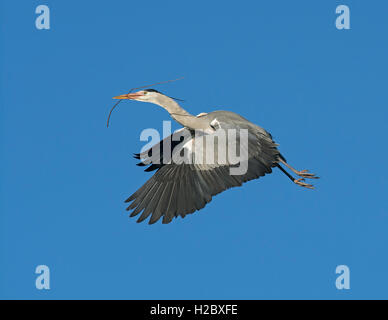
154	84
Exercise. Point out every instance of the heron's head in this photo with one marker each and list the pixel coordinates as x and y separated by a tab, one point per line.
147	95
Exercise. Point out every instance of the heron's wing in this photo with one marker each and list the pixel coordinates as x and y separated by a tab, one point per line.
156	155
181	189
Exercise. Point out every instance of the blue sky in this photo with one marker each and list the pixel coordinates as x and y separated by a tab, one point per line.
320	91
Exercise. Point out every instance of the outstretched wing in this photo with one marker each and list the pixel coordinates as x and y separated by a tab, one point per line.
180	189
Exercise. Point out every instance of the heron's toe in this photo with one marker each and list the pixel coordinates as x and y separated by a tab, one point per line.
306	174
300	182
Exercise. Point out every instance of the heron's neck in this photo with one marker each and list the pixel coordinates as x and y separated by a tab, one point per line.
180	115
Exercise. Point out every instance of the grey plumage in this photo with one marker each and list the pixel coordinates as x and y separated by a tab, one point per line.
184	188
178	189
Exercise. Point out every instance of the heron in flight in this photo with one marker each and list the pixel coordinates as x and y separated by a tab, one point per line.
178	189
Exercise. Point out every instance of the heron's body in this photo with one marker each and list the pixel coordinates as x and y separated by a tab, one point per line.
178	189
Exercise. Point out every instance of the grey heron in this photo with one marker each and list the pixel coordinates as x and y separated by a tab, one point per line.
178	189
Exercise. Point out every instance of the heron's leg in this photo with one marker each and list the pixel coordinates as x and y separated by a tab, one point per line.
302	173
299	182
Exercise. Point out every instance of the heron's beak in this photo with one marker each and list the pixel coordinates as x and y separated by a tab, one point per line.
131	96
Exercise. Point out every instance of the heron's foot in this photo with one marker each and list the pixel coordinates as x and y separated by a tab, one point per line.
300	182
306	174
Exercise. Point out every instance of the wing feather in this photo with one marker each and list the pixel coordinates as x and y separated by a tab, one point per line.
180	189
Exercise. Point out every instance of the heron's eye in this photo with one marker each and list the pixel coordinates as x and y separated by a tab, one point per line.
145	92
